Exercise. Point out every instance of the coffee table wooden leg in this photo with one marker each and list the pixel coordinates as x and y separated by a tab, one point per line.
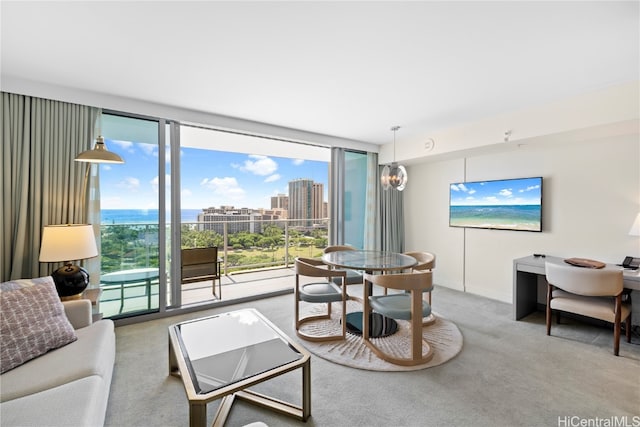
173	361
300	412
197	414
306	390
223	410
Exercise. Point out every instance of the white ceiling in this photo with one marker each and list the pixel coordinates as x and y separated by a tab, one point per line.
346	69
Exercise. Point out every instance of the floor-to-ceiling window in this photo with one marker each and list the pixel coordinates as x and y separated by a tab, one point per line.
221	188
235	194
132	222
355	193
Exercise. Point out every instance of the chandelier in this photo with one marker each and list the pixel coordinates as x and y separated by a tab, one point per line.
394	175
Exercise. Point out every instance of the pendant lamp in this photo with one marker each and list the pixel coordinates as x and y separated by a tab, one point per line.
394	175
99	154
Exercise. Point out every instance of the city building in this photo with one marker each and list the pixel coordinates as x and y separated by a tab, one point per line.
234	219
281	201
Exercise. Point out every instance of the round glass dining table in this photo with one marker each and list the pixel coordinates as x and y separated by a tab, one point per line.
370	261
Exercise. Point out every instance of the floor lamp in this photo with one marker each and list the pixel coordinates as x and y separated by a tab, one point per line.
99	154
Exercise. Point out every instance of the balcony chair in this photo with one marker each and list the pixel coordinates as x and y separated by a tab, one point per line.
353	277
595	293
403	306
325	291
199	265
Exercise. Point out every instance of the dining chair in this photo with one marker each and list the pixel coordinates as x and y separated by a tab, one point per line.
199	265
325	291
426	261
595	293
408	306
353	277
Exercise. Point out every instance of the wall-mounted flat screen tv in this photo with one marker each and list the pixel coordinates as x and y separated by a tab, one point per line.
506	204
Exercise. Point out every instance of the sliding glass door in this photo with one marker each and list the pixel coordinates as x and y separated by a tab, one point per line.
132	222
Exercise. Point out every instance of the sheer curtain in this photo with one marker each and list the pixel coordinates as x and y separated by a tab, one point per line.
371	224
371	219
40	182
391	219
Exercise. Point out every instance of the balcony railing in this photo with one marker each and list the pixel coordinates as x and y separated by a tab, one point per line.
243	246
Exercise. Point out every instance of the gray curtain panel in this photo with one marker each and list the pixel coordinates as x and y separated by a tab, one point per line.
40	182
336	196
391	219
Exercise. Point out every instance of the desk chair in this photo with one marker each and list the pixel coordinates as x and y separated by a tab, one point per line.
325	291
199	265
595	293
404	306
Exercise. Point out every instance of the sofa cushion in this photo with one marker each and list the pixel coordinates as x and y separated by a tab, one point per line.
78	403
92	354
32	322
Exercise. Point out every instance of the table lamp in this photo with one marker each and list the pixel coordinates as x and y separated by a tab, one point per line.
66	243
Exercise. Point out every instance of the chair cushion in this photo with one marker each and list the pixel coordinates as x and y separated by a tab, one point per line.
33	321
397	306
353	278
320	292
597	307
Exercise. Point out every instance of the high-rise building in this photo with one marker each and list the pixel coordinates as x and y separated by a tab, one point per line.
281	201
300	201
317	200
306	201
236	219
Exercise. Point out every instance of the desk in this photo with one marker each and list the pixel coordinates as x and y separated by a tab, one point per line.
370	261
133	277
526	272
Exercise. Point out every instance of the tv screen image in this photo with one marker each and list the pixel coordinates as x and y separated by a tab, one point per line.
506	204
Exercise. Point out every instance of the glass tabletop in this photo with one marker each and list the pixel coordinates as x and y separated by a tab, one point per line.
369	260
229	347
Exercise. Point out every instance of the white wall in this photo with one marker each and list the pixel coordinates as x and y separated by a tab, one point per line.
591	195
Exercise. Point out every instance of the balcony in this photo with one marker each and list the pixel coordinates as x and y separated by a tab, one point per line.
256	258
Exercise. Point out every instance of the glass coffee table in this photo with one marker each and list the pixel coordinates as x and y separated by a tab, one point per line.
221	356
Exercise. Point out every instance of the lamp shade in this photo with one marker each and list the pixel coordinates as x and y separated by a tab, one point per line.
99	154
67	242
635	228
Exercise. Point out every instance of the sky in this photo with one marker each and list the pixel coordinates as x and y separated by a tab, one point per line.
525	191
208	178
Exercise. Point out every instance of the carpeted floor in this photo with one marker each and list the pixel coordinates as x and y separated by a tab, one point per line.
508	374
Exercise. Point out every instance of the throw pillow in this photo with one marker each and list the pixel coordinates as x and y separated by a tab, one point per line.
33	321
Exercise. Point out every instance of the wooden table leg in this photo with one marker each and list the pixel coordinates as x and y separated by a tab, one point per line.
197	414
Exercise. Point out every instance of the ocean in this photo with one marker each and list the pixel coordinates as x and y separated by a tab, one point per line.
510	217
142	216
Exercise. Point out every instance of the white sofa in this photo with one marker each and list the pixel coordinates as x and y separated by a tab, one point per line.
68	386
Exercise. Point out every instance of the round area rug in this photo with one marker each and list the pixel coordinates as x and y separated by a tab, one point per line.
442	334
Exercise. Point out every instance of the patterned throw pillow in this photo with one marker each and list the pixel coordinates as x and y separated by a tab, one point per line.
32	321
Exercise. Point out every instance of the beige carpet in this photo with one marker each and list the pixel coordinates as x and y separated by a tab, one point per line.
442	334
